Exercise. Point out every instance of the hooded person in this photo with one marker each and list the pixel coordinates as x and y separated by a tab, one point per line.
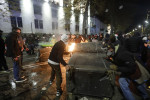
55	58
125	63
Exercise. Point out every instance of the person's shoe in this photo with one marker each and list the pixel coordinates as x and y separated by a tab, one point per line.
6	71
59	93
50	82
20	80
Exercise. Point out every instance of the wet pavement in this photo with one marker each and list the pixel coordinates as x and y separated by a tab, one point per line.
37	86
37	75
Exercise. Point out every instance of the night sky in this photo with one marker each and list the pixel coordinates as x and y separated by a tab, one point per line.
142	7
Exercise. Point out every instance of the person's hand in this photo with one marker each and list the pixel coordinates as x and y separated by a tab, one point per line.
16	59
22	49
67	67
113	67
27	49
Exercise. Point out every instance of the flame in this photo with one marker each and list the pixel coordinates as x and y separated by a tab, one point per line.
71	47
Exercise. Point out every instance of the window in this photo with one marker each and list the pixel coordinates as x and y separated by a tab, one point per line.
13	21
54	25
76	18
41	24
19	21
77	28
37	9
16	21
54	13
38	24
67	27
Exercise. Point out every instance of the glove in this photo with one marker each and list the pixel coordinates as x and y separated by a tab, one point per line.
113	67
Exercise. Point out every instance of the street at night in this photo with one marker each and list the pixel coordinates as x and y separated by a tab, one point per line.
38	75
74	49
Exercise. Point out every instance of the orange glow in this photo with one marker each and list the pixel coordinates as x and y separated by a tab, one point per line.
71	47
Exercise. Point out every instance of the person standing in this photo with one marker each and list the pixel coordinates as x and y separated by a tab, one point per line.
13	51
55	58
2	53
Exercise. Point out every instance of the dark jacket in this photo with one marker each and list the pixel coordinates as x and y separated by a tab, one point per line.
125	62
134	44
2	47
13	49
57	51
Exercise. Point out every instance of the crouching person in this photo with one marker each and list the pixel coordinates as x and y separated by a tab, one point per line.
127	66
55	58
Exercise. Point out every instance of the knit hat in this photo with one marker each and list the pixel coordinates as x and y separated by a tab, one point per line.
64	38
144	38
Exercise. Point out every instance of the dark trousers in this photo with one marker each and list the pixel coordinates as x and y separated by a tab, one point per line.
16	69
3	63
56	71
21	61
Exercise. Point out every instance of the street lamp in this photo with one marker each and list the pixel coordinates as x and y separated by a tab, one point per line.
133	30
146	22
139	26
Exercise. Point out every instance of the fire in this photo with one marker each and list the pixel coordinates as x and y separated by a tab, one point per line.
71	47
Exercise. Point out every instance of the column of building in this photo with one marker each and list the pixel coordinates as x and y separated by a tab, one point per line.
46	17
27	15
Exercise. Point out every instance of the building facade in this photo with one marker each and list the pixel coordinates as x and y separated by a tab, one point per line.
40	16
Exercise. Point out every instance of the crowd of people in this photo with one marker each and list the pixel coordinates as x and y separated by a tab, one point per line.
124	51
130	56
